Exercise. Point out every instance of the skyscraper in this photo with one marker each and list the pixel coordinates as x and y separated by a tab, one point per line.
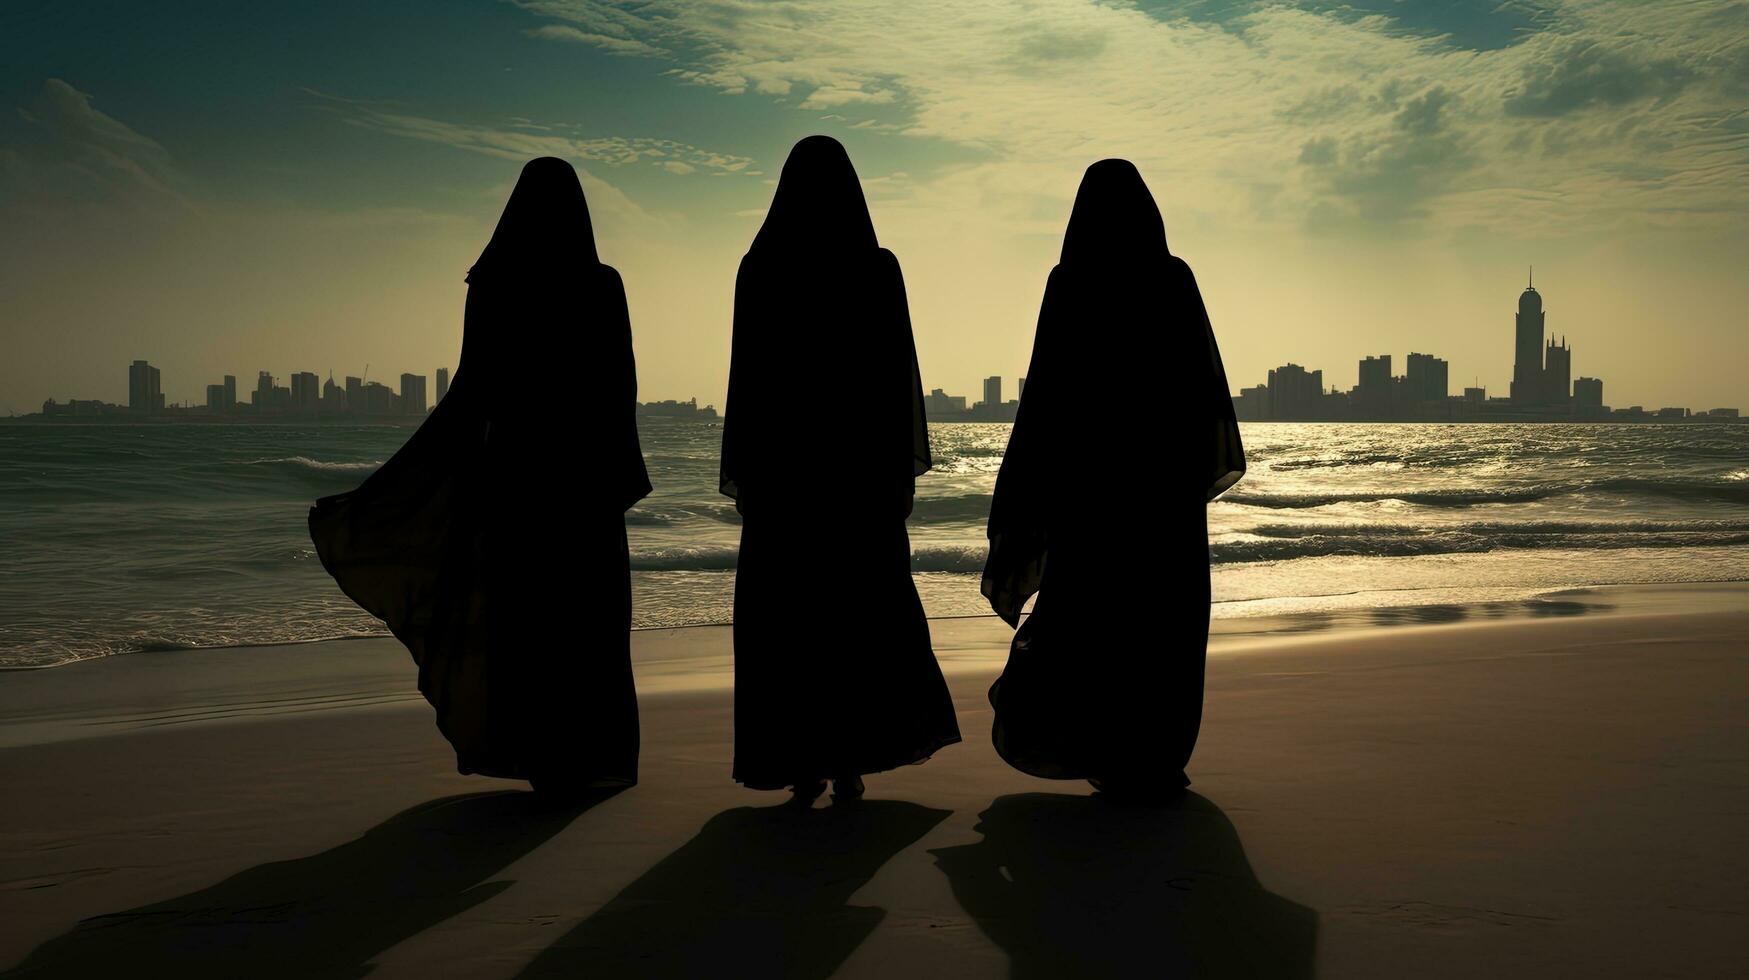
1428	378
1557	373
230	392
1527	364
1375	373
993	391
306	391
442	384
144	395
1372	396
1295	393
375	398
333	397
262	396
355	395
413	394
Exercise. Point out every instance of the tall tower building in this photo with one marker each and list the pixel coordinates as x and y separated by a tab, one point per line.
230	392
1527	363
993	391
1557	373
1428	378
1295	393
1372	395
442	384
306	391
413	394
333	397
143	392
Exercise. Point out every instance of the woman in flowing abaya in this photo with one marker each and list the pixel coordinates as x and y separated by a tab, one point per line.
835	677
1100	506
493	543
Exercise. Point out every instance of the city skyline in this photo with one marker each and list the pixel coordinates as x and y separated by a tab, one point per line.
1542	387
1542	380
1341	177
305	393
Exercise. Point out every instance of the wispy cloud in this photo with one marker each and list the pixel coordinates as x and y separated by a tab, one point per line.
1606	112
60	150
616	45
522	139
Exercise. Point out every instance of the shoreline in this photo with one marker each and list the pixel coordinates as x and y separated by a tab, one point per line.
1524	602
1512	798
196	686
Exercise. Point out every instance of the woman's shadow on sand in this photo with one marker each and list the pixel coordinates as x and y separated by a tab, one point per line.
326	915
1075	886
760	892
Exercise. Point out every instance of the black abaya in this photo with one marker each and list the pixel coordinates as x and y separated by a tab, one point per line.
493	543
1105	678
834	672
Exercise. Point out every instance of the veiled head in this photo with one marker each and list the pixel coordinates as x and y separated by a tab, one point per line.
1115	218
545	222
818	204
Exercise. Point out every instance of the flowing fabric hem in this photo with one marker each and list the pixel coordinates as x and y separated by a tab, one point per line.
786	783
1046	769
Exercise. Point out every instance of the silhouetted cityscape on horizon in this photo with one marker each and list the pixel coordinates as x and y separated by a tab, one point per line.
1543	389
306	396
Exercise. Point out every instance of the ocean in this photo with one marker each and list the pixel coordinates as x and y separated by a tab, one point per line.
119	538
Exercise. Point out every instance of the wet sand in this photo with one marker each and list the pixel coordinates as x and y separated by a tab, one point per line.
1551	795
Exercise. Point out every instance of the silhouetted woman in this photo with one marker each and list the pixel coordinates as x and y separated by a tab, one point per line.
1099	506
493	543
834	674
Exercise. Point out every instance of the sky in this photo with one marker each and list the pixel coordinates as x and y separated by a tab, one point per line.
229	188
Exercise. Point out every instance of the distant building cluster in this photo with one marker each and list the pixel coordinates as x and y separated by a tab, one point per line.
1543	388
938	406
688	409
304	394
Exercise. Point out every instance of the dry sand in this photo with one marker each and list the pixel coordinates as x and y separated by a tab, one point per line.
1535	797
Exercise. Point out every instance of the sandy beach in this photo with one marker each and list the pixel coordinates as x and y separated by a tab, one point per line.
1561	795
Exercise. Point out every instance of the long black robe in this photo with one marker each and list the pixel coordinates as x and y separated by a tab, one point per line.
834	672
1105	679
493	543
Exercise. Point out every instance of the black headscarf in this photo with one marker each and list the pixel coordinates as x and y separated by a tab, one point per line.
818	206
1115	219
1116	288
816	290
545	223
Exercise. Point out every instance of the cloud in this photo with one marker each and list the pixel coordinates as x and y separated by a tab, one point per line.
616	45
522	139
1386	175
827	97
1580	74
60	150
1576	115
1320	152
